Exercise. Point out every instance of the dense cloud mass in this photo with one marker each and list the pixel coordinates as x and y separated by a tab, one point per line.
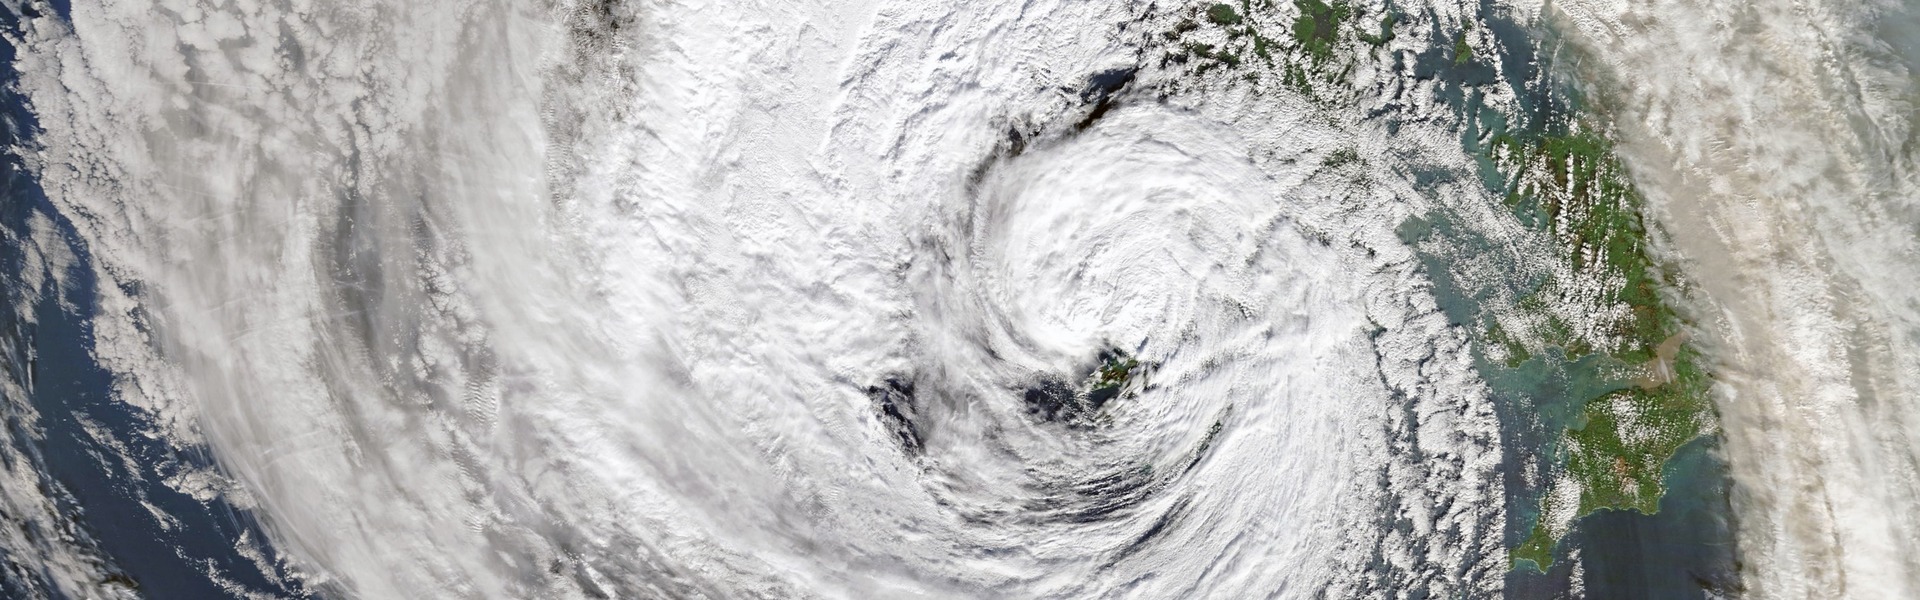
919	299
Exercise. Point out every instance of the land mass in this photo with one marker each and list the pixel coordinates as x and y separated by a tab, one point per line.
1597	300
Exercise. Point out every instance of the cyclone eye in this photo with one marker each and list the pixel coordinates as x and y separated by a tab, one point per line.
898	412
1116	371
1052	400
1112	375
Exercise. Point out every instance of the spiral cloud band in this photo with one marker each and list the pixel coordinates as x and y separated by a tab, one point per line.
488	299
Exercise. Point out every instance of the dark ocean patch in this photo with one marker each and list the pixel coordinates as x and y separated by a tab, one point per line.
107	482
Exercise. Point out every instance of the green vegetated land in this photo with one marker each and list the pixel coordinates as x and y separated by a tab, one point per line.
1304	55
1572	187
1116	369
1601	299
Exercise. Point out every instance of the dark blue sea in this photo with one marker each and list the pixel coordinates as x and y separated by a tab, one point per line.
99	499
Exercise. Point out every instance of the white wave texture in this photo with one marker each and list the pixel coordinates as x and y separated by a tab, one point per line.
1778	136
477	300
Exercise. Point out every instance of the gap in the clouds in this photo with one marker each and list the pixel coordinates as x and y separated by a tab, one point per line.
23	359
1080	399
1901	31
1676	554
899	411
1686	546
1075	400
170	560
69	390
1102	91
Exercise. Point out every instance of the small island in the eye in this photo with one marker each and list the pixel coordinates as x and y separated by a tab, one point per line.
1110	379
1114	374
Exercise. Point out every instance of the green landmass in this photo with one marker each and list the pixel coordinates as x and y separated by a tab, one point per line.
1317	29
1536	552
1223	14
1386	32
1303	55
1601	297
1115	370
1572	187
